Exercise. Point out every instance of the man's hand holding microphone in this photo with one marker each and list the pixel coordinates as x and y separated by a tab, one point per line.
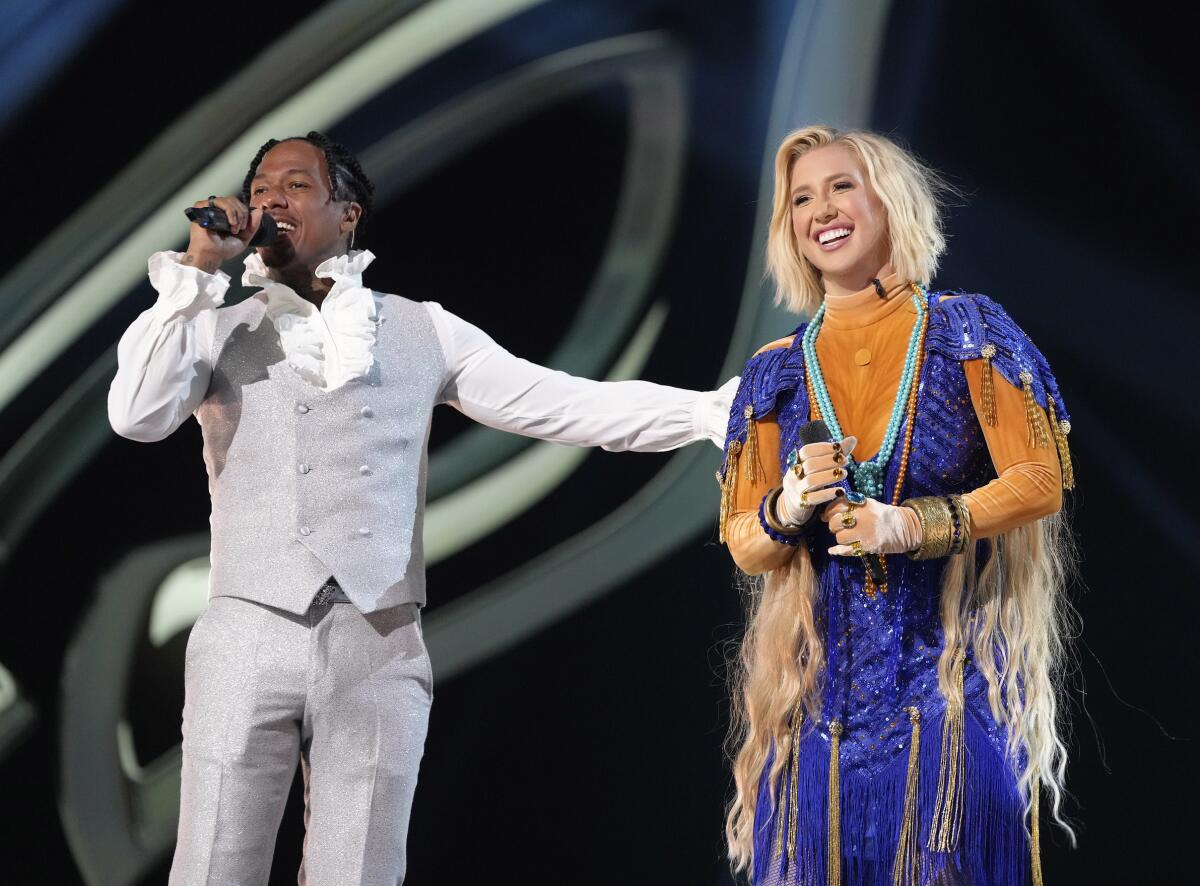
222	228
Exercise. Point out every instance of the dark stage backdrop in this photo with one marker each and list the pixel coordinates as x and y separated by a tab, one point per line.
588	182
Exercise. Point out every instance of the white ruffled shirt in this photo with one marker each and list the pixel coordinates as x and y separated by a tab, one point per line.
165	359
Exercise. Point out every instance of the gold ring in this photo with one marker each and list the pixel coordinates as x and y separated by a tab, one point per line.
849	521
857	547
837	446
804	500
798	469
838	473
838	458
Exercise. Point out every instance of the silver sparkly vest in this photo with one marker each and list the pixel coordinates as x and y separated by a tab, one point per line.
307	483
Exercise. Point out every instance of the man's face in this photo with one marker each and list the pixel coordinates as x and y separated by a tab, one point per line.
292	184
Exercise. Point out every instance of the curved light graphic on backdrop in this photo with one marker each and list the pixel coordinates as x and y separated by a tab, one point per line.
46	458
652	72
119	813
418	37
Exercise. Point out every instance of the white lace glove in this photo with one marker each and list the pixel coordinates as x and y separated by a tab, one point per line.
820	465
879	528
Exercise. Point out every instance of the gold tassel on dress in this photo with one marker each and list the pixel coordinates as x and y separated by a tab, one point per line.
1033	414
1035	848
987	390
728	481
907	869
794	800
793	807
751	453
1060	429
833	864
780	815
948	807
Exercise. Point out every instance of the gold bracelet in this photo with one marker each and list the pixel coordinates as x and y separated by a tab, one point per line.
962	520
937	526
772	516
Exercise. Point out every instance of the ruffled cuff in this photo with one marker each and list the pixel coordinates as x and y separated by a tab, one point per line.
184	291
710	417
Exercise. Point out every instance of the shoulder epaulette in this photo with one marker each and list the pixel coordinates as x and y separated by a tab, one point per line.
973	327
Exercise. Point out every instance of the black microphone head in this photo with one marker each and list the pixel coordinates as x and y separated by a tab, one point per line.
267	233
814	432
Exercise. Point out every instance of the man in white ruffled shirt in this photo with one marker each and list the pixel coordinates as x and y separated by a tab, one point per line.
314	398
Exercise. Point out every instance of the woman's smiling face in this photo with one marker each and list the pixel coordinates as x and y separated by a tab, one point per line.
838	220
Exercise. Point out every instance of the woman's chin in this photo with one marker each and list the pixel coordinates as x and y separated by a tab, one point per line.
835	264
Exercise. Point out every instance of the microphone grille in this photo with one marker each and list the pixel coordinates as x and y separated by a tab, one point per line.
814	432
267	233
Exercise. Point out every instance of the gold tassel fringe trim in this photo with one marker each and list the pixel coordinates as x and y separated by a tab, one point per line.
948	807
727	479
1033	414
1035	837
1060	429
988	388
907	869
751	453
833	863
793	799
780	815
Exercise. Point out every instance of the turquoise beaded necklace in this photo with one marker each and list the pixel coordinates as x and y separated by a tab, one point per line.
868	475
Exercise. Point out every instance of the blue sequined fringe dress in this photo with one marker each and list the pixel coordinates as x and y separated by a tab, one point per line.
882	651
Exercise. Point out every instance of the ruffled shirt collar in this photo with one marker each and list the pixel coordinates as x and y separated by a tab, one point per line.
331	345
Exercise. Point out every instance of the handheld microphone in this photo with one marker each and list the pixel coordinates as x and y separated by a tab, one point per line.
818	432
213	219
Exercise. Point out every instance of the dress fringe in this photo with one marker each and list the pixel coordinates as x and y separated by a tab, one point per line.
993	847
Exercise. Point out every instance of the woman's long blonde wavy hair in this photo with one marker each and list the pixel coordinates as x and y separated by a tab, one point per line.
1012	612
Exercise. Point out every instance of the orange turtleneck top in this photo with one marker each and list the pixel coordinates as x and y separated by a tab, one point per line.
862	346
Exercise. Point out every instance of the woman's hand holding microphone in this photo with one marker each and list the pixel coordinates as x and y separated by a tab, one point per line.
808	484
877	528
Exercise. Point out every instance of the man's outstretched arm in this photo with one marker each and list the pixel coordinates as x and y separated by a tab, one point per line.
498	389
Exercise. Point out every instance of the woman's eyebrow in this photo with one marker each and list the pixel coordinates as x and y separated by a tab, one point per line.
827	178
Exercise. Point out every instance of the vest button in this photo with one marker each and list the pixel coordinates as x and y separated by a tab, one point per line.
364	531
303	468
364	470
301	408
367	412
304	530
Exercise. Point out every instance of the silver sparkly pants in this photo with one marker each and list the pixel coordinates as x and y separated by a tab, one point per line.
345	694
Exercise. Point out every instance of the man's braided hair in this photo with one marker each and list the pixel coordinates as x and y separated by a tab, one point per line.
347	180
